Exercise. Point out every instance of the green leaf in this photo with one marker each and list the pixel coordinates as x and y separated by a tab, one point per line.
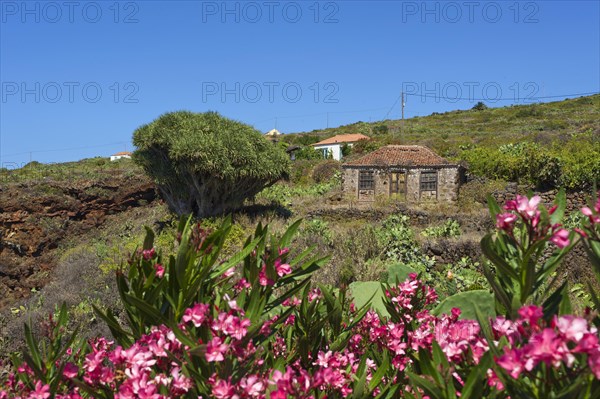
560	200
363	292
502	297
398	273
493	207
149	240
237	258
33	347
425	385
286	239
382	369
552	304
466	302
487	246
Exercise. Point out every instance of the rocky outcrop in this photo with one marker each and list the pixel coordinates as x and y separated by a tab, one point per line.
36	216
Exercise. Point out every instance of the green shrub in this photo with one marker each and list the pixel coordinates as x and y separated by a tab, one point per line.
449	229
325	171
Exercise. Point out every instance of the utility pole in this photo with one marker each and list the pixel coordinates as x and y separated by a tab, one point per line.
328	120
402	106
275	122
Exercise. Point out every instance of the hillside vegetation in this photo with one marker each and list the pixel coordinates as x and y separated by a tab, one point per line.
542	145
66	228
494	126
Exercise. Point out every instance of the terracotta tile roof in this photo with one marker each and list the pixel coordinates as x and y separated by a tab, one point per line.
122	153
403	155
343	138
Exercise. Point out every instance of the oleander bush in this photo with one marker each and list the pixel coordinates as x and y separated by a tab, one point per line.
254	325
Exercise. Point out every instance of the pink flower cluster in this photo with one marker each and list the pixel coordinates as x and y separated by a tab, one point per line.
281	268
593	215
532	342
154	367
144	370
527	211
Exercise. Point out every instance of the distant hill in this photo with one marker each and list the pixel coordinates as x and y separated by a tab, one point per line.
493	126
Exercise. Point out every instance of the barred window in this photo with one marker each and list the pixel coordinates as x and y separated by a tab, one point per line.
428	181
366	180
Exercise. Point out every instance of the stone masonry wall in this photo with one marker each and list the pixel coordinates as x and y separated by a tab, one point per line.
448	184
575	199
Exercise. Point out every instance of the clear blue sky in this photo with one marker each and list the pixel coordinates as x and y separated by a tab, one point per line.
78	78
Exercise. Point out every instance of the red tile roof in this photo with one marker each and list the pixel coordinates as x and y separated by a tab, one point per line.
400	155
122	153
343	138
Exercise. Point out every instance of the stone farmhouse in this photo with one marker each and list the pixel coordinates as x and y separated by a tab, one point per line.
408	172
333	145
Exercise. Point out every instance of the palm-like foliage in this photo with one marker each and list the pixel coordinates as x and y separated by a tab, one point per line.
206	164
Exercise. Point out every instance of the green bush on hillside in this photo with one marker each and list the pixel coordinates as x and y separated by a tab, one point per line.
573	164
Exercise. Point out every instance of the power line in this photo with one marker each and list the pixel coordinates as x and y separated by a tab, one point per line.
392	107
500	99
320	114
64	149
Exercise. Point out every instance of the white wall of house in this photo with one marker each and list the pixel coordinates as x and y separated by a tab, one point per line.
116	157
334	149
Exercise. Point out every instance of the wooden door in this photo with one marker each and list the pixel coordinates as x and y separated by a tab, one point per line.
398	183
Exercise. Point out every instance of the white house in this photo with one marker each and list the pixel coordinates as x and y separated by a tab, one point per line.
333	145
273	135
119	155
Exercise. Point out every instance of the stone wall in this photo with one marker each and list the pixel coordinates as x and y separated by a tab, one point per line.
575	199
448	184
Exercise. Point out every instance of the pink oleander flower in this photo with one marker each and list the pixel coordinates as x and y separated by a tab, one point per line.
215	350
313	294
40	391
263	279
238	328
160	270
222	389
253	386
549	348
588	344
282	268
148	254
594	363
242	284
572	327
180	383
506	221
294	301
531	314
229	272
512	361
494	381
588	212
197	315
70	370
560	238
526	207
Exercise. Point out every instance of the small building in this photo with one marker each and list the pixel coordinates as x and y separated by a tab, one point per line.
120	155
333	145
291	151
273	135
408	172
